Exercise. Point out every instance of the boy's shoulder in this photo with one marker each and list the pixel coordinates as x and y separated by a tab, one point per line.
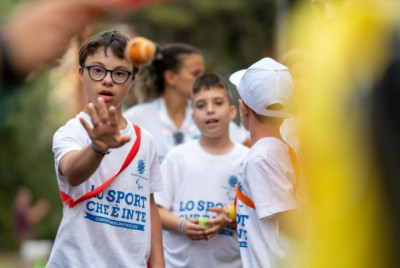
241	147
183	151
194	147
184	148
140	110
269	149
73	125
144	133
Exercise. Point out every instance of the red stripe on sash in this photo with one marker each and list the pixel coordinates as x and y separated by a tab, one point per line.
68	200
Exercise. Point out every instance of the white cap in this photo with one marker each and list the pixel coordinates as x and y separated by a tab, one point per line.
264	83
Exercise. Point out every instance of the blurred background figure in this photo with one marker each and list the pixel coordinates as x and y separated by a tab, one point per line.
26	215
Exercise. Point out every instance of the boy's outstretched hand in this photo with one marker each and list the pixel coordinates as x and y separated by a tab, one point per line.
105	133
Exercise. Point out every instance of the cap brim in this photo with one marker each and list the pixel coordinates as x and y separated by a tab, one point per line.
236	77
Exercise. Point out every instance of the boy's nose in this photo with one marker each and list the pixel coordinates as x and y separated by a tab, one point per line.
210	108
108	77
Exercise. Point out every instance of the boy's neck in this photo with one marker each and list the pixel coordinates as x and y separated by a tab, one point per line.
176	107
219	145
262	129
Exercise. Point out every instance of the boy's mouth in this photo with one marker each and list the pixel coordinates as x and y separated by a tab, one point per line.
212	121
106	93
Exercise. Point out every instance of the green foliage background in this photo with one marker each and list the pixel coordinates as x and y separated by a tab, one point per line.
232	34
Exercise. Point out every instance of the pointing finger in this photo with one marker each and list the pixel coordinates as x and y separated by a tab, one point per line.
85	125
113	118
103	112
93	115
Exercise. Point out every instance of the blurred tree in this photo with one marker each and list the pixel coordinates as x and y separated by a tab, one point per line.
25	155
231	34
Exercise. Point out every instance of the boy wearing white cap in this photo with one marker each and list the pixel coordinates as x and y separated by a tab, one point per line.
266	204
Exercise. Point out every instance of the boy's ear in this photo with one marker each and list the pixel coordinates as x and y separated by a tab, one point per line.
80	70
244	110
233	111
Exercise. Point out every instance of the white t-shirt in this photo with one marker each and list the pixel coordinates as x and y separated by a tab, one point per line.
113	228
195	180
153	117
267	177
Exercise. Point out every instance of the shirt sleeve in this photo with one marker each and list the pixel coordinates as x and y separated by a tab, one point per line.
156	184
168	168
66	139
270	188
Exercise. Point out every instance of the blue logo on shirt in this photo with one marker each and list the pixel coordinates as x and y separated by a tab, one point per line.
240	186
232	180
141	167
230	191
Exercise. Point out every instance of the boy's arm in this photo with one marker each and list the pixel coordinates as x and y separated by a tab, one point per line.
156	253
78	166
189	227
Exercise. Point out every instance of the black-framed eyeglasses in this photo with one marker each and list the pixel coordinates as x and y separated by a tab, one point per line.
118	75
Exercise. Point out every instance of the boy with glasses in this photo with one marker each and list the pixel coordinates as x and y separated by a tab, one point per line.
107	170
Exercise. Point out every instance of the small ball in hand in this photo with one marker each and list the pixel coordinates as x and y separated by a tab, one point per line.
202	221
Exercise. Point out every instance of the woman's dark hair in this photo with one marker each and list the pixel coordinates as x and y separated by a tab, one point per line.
168	57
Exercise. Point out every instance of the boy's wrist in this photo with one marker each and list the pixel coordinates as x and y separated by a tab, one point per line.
97	151
181	225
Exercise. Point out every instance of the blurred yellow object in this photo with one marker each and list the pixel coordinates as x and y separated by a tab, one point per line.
346	222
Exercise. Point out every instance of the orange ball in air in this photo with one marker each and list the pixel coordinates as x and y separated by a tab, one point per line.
140	51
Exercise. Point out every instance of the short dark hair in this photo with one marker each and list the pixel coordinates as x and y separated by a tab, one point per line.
113	40
210	80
